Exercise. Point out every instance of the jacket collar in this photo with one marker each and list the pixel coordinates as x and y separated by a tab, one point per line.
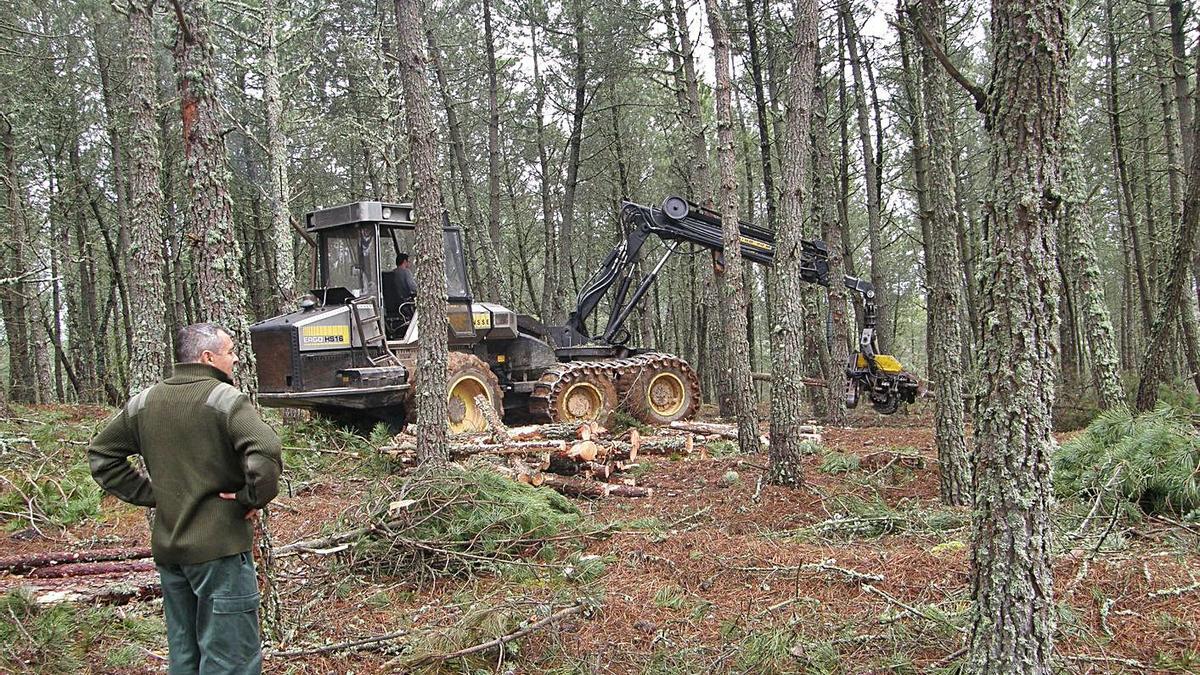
194	372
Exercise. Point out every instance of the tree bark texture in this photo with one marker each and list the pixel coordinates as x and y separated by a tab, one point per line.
149	357
942	261
730	279
216	251
429	248
1012	627
787	393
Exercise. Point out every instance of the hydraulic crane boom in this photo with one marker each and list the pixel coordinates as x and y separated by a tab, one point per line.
678	222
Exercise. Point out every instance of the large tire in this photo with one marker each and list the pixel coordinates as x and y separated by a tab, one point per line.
466	377
662	390
575	392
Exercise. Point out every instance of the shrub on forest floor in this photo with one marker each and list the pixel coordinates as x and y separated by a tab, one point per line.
1152	459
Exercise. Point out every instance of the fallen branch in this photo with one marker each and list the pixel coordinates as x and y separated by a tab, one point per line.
1129	663
323	544
499	431
1175	592
909	608
592	489
823	566
491	644
351	645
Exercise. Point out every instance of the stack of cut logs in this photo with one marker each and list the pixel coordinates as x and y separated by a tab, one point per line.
580	459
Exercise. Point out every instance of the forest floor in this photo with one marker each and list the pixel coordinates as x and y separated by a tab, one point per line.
862	570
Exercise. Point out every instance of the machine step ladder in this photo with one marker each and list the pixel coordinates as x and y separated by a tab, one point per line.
368	322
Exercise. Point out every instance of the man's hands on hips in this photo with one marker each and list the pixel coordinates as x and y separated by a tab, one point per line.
250	515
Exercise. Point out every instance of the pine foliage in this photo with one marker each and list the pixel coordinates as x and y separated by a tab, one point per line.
456	519
1152	459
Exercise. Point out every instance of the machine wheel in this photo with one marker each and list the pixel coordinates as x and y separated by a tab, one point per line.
467	376
572	392
664	389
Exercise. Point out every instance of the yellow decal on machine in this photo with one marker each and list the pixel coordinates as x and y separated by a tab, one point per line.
482	319
327	336
754	243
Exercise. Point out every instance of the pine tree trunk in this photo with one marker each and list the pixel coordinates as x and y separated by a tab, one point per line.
1174	289
945	293
216	251
848	243
566	232
760	108
730	279
473	228
430	254
498	290
149	357
1179	71
279	195
787	393
883	327
1125	196
1012	627
119	250
826	200
13	302
551	300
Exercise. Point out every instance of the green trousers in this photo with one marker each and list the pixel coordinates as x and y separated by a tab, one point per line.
212	617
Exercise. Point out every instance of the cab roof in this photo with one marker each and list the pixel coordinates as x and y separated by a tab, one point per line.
359	212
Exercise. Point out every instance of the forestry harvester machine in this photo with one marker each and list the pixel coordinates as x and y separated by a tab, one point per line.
350	350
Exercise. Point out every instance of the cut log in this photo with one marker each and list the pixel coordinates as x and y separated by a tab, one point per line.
145	587
499	431
623	451
578	431
586	451
575	487
460	450
668	445
723	430
21	564
92	568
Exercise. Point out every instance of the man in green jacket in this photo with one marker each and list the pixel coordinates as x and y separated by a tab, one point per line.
212	464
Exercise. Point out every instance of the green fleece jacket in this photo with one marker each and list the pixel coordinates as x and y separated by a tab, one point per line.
199	436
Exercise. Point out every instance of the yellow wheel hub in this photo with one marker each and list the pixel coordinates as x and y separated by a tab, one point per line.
461	412
582	401
666	394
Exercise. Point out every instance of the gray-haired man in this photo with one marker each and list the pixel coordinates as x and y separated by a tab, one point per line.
212	464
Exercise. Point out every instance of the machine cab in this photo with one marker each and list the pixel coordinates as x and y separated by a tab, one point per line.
359	247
